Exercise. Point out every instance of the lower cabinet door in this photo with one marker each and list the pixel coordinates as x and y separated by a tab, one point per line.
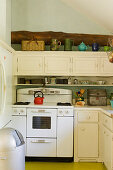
41	147
108	148
65	137
88	140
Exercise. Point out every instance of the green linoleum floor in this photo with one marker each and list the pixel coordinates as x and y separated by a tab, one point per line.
63	166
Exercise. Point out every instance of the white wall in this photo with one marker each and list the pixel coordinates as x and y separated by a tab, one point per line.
100	11
51	15
5	20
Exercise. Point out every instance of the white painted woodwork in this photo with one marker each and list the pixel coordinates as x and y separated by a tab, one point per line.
65	137
30	65
62	63
5	21
83	65
87	116
106	67
57	65
41	147
87	140
107	122
108	148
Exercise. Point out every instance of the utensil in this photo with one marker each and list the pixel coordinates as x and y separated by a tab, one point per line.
53	80
107	48
55	44
75	81
68	43
95	47
38	97
101	82
82	47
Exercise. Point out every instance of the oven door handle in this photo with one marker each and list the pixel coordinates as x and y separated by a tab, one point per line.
40	141
40	112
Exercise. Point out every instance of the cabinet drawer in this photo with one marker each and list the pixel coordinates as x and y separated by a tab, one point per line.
107	121
41	147
87	116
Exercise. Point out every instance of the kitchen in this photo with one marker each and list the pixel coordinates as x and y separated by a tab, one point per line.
90	69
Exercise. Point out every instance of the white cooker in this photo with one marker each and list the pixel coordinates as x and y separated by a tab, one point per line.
49	127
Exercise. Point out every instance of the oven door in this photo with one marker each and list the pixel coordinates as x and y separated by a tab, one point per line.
41	122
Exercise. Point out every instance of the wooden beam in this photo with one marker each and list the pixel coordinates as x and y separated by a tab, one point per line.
88	39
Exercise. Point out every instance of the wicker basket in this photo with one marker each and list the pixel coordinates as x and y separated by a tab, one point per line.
33	45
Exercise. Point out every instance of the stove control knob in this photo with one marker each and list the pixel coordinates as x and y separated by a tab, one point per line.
60	112
15	110
21	110
67	112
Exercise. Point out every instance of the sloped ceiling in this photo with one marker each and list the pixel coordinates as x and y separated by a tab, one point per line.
101	11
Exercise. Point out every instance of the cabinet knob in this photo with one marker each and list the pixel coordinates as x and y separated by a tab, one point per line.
83	129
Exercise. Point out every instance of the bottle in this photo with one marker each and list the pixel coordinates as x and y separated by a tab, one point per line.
69	80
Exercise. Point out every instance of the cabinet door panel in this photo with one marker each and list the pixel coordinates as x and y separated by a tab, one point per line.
57	65
107	148
106	67
87	140
85	65
30	65
65	137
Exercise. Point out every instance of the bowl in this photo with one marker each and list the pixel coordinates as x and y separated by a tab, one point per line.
101	82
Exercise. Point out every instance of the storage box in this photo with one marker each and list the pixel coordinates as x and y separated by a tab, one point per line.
33	45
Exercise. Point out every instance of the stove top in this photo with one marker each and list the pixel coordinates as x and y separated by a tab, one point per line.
22	103
64	104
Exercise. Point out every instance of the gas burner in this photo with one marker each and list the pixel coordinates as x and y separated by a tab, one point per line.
22	103
63	104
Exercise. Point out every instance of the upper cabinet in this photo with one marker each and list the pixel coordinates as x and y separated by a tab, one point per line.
57	65
85	65
106	67
29	64
62	63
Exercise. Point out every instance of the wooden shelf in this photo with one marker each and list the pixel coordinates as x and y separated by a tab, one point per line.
76	85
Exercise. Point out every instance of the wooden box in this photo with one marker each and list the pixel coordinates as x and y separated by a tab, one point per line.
33	45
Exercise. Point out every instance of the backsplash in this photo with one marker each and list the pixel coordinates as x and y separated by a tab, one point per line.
74	89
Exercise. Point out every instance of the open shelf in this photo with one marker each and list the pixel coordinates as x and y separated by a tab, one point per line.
76	85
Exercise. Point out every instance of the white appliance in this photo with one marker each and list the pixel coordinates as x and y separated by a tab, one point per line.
41	122
5	86
12	150
50	125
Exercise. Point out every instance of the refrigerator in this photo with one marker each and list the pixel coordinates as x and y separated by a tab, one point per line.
5	87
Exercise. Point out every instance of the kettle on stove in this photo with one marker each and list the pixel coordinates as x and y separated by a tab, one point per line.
38	97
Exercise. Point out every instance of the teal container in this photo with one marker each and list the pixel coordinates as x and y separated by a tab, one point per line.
111	101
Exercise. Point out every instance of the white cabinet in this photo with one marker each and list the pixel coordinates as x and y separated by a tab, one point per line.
29	65
62	63
87	140
57	65
41	147
106	67
85	65
65	137
108	148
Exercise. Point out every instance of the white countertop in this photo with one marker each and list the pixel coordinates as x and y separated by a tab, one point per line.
108	110
44	105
